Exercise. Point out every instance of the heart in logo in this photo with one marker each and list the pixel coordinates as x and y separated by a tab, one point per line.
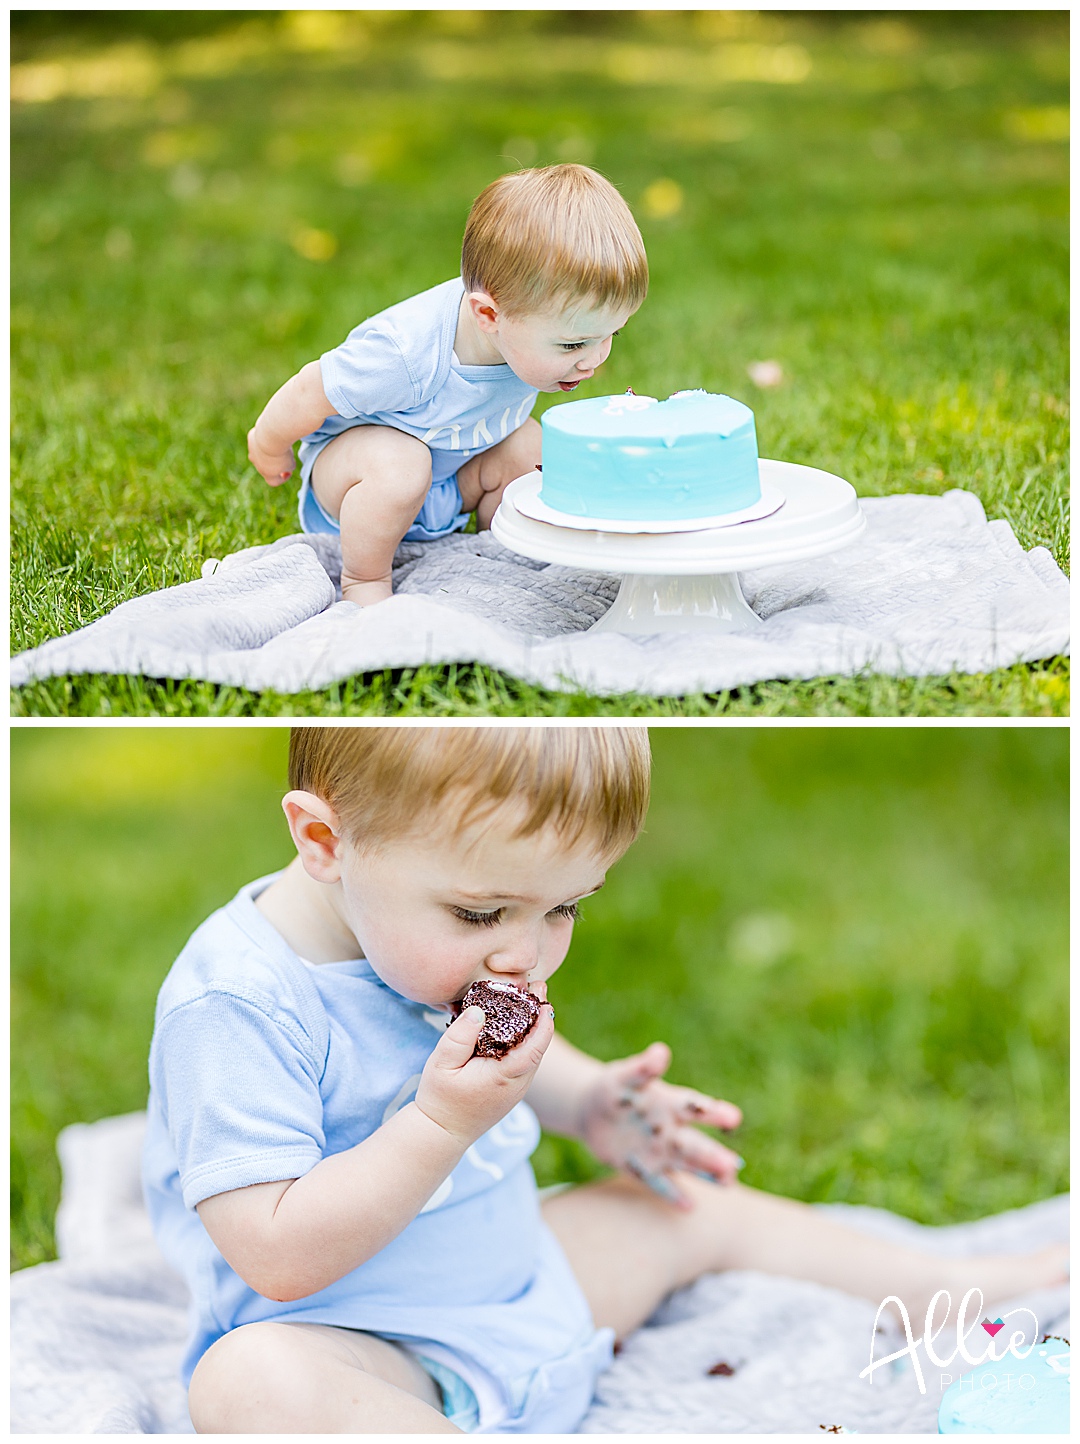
993	1328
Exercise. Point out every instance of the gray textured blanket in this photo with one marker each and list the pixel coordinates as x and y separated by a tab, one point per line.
97	1337
931	588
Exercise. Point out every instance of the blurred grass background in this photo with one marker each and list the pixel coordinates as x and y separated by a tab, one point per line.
203	201
859	936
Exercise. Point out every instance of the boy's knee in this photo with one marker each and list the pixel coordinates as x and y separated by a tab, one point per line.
522	452
390	462
400	466
393	490
393	458
256	1367
524	444
398	448
492	471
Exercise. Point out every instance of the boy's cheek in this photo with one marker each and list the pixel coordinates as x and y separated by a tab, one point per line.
551	961
425	968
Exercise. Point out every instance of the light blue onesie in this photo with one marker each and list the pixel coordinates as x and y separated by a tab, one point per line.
260	1066
399	369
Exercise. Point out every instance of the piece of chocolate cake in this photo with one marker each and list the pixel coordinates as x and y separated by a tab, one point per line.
509	1012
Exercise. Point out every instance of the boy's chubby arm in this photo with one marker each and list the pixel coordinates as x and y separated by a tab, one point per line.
294	410
630	1118
288	1239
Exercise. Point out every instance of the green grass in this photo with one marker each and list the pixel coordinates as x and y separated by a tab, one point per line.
475	691
892	227
859	935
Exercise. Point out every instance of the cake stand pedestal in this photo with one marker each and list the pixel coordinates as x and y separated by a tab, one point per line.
676	604
685	581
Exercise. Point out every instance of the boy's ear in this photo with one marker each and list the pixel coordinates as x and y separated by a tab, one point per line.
316	831
484	309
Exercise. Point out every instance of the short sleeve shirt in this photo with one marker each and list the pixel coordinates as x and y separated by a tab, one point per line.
262	1065
399	369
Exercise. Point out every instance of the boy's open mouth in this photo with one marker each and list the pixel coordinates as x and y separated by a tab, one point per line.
568	385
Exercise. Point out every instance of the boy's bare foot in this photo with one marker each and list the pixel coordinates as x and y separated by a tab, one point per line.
1000	1276
365	594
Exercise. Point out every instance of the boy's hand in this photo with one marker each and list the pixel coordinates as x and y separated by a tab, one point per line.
467	1095
273	466
633	1120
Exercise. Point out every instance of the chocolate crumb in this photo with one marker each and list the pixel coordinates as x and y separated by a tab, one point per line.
509	1014
724	1370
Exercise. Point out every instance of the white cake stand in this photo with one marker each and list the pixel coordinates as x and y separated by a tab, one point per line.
689	580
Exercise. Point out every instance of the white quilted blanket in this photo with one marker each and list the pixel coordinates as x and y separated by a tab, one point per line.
97	1337
931	588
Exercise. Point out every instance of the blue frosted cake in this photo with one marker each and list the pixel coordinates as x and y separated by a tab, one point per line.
636	458
1012	1396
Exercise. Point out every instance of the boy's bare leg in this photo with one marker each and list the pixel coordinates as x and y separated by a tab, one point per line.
483	480
312	1379
373	480
629	1249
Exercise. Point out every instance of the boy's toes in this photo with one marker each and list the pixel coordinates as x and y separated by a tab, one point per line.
1003	1276
1055	1260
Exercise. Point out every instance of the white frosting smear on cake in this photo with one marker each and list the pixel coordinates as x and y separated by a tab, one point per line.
621	405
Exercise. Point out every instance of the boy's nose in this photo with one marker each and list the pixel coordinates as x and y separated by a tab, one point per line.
513	964
505	972
519	980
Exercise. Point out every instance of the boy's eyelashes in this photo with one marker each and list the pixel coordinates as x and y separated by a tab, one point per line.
577	345
478	920
489	919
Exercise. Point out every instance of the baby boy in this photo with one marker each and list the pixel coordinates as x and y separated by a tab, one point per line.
421	415
346	1185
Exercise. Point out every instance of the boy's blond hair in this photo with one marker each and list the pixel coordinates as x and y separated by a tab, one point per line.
385	782
539	240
